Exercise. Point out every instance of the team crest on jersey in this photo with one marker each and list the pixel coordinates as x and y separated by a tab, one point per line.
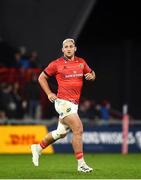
68	110
80	65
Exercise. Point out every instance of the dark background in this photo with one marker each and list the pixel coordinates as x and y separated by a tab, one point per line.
111	39
107	35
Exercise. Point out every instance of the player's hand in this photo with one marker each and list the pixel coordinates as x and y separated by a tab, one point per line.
90	76
52	97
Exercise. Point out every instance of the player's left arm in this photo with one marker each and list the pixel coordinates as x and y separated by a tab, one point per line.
90	76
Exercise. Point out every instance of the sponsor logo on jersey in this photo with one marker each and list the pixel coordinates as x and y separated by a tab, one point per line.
73	75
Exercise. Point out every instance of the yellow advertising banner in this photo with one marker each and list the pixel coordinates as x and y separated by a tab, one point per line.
17	139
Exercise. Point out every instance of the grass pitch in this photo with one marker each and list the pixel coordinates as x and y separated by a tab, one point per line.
63	166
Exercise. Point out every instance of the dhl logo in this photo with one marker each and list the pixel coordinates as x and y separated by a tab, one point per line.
23	139
17	139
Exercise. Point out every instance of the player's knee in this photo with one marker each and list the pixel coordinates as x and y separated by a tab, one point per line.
57	135
78	131
60	132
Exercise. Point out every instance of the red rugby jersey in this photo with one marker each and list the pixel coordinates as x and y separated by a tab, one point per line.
69	76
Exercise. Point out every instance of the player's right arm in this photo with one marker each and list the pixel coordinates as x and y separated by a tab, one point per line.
43	81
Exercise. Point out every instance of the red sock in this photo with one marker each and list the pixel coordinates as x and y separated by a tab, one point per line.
79	155
43	144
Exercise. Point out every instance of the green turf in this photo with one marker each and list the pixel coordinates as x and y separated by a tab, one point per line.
63	166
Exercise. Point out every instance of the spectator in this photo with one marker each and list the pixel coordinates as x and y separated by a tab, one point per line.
17	60
104	111
24	62
7	102
33	96
84	108
21	104
34	61
23	59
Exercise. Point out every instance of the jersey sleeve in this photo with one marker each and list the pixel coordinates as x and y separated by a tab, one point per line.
51	69
87	69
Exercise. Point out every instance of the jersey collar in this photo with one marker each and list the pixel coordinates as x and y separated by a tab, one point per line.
66	59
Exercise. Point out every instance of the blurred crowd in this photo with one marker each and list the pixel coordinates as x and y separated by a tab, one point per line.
19	90
28	101
89	109
19	102
18	57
